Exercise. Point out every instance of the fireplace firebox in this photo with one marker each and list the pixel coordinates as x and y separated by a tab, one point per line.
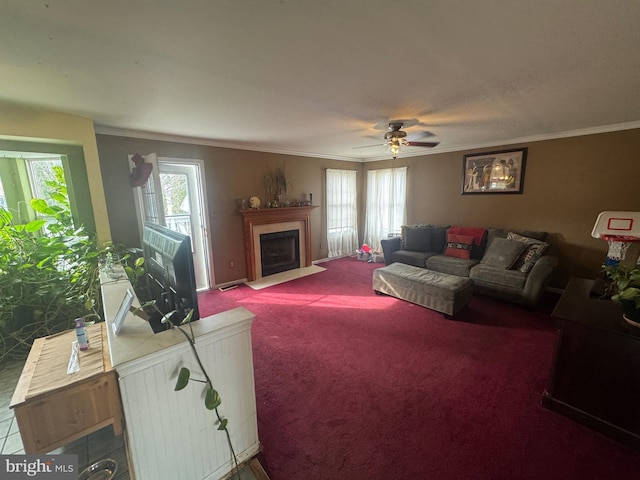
279	251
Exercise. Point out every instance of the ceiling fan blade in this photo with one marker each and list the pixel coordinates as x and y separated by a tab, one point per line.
419	135
422	144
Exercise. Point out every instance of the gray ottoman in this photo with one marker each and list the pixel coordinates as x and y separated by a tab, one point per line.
441	292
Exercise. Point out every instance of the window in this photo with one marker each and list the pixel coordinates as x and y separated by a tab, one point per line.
41	170
3	197
386	200
342	212
24	176
176	202
26	167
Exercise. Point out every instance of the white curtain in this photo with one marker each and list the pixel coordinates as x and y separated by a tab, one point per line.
386	202
342	212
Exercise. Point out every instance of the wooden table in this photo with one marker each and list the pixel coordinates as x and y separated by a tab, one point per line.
54	408
596	369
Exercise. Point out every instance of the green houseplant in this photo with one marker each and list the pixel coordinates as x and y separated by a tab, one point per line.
48	272
626	290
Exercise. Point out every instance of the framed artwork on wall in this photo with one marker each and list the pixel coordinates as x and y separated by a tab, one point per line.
494	172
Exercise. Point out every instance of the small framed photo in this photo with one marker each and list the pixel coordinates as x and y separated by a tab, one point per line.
125	305
494	172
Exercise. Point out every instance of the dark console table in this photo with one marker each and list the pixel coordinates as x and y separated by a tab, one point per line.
596	368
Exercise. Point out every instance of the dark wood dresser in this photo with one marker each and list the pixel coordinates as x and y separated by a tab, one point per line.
596	368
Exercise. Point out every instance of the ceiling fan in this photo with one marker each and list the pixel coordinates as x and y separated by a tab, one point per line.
396	137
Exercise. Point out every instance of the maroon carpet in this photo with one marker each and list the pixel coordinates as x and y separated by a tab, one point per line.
352	385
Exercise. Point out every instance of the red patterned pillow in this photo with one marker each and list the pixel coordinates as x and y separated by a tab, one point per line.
459	246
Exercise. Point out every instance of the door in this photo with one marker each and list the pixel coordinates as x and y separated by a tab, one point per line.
173	197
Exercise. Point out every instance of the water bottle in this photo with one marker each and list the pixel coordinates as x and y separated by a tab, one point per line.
81	333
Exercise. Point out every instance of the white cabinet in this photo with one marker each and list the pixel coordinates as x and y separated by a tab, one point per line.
171	434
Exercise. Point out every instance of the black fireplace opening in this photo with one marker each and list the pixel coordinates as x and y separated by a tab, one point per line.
279	251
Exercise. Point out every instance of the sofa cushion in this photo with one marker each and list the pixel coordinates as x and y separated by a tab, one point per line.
417	259
450	265
416	238
459	246
503	253
533	251
488	274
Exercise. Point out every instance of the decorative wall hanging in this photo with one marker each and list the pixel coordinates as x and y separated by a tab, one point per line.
140	173
494	172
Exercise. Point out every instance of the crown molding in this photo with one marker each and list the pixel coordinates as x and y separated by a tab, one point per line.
123	132
405	153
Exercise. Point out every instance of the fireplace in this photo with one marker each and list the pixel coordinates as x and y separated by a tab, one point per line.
259	222
279	251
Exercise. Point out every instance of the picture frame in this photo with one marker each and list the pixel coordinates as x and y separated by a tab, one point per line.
499	172
121	314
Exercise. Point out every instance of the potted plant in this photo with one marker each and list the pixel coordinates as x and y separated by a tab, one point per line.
275	184
49	270
625	289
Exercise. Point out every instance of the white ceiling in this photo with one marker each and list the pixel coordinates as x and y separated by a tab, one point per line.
313	77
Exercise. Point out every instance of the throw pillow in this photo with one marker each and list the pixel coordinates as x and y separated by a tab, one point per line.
459	246
438	238
479	235
417	239
503	253
533	251
403	234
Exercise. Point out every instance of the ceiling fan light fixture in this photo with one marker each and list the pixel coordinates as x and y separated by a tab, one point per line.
394	146
396	137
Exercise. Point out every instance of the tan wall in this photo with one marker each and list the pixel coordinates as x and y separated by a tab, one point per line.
568	182
23	124
230	174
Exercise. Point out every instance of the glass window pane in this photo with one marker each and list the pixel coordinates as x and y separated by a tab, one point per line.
177	206
41	171
3	198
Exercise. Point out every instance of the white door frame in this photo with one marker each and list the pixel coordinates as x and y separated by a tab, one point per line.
202	208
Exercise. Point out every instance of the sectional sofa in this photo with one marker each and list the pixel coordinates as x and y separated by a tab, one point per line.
513	265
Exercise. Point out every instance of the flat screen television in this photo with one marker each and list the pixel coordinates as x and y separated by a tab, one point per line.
169	265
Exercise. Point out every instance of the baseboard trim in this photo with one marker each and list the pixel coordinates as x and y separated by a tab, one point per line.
327	259
230	284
